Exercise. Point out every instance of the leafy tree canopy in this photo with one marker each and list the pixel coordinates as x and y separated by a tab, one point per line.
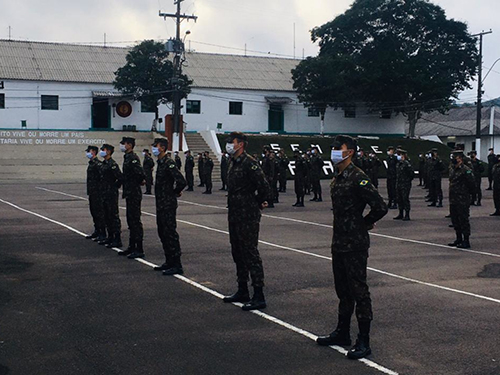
148	75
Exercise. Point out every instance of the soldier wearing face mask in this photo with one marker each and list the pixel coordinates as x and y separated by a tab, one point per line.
94	181
351	192
392	162
248	191
148	165
404	177
188	170
299	178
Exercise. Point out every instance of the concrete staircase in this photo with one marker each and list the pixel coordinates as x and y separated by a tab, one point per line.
57	156
197	144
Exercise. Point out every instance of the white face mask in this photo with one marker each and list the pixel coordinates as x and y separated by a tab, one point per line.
155	151
89	155
102	153
399	157
122	148
337	157
230	148
143	154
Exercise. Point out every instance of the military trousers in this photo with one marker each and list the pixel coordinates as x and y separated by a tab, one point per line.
435	190
112	214
207	178
282	180
166	221
299	187
496	197
316	186
244	239
460	218
403	197
477	195
189	179
349	273
149	181
134	223
97	211
391	189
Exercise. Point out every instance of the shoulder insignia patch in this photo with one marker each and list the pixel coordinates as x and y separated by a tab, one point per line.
363	183
134	161
171	166
469	171
113	167
254	167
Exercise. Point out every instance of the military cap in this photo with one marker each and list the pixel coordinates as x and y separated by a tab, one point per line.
108	147
92	148
128	140
490	149
457	153
460	146
145	150
434	150
401	151
161	141
236	135
472	152
185	152
390	148
340	140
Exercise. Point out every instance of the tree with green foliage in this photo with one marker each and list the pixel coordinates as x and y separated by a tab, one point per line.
148	76
404	56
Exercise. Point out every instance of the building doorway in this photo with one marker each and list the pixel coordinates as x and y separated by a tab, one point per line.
276	118
101	114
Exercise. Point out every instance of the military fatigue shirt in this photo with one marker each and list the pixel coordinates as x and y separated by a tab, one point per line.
148	164
112	177
189	165
405	173
94	177
436	168
462	185
300	167
133	175
247	189
496	176
178	162
392	162
477	168
208	166
316	166
351	191
169	183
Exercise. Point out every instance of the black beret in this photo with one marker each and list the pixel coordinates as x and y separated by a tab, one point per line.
349	141
92	148
401	151
390	148
236	135
107	147
145	150
457	153
128	140
160	141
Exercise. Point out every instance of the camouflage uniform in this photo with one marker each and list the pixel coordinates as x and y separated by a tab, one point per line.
284	162
94	191
351	191
462	186
375	165
168	185
112	180
436	168
188	170
495	175
200	171
148	166
316	173
224	163
421	170
178	162
307	176
245	177
477	169
300	172
268	167
133	176
492	160
405	175
392	162
208	166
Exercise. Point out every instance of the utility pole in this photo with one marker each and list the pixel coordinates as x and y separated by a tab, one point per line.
480	92
178	51
10	32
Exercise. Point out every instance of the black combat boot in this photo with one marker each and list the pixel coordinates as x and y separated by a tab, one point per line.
242	295
400	216
478	203
407	216
458	241
440	204
101	236
496	213
301	202
362	347
433	204
93	235
465	244
296	203
394	206
107	240
116	241
341	336
130	249
175	268
139	251
320	198
257	302
314	199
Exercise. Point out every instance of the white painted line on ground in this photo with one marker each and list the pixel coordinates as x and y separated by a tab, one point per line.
329	258
268	317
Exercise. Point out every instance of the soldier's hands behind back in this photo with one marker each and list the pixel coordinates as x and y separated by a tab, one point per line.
264	205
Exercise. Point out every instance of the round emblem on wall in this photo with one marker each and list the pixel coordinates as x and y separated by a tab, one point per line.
124	109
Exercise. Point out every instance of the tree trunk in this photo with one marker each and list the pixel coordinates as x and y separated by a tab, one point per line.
322	123
412	120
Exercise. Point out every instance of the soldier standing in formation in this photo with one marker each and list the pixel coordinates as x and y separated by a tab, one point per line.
148	165
268	167
208	166
133	179
392	162
436	168
421	169
495	175
169	184
111	181
351	191
178	161
307	174
224	164
94	184
284	162
200	170
274	185
375	164
188	170
316	173
492	160
477	169
462	185
248	191
404	177
299	178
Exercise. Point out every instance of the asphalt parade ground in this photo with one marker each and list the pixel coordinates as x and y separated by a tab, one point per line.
70	306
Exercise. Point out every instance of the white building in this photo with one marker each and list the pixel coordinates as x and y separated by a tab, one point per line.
63	86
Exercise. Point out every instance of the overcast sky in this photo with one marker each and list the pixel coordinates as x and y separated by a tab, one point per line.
224	26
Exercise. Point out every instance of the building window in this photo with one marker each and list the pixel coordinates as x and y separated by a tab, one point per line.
235	108
385	113
148	107
312	112
350	112
50	102
193	106
2	101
